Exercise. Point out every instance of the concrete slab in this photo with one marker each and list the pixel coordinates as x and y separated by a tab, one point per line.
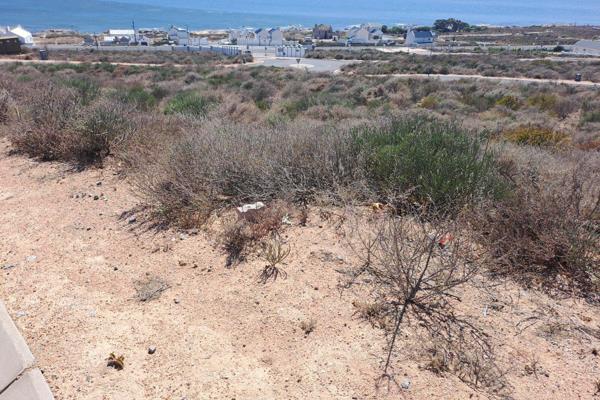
30	386
15	356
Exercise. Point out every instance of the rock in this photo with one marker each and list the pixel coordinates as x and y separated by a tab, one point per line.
151	349
405	384
21	314
193	232
99	183
6	267
177	301
183	236
131	219
31	258
96	197
254	206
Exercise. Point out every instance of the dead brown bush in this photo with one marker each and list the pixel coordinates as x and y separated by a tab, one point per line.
547	232
412	270
249	228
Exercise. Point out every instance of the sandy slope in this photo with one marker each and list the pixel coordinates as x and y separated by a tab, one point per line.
229	337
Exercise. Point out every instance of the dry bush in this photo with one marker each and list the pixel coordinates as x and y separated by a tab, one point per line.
150	288
249	228
50	109
471	362
58	126
549	228
215	164
414	270
308	326
5	105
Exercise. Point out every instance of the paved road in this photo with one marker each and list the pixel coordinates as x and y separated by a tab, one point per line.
455	77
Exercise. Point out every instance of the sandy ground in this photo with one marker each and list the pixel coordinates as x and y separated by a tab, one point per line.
218	333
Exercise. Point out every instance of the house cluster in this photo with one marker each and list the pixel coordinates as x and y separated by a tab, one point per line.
11	39
147	37
257	37
365	35
25	37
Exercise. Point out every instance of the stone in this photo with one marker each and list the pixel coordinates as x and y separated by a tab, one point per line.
96	197
131	219
99	183
151	349
15	356
9	266
21	314
405	384
31	259
177	301
30	386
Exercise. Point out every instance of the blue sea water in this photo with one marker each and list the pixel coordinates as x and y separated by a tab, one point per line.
98	15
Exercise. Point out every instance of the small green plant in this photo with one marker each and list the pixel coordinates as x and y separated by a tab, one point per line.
138	97
189	103
87	89
275	253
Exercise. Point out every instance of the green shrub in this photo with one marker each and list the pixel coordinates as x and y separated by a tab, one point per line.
543	101
437	163
87	89
590	116
91	137
429	102
510	102
138	97
189	103
535	136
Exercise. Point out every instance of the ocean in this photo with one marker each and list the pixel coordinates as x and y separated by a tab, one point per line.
99	15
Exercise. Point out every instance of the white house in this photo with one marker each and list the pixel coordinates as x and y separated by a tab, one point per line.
364	34
25	37
258	37
276	37
419	38
589	47
180	36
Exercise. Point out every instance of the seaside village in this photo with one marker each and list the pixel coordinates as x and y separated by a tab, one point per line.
288	42
291	41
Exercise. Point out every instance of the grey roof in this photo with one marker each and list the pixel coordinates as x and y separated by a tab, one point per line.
423	34
588	44
8	36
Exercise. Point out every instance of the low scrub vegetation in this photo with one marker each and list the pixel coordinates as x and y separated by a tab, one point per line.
461	178
196	141
502	63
